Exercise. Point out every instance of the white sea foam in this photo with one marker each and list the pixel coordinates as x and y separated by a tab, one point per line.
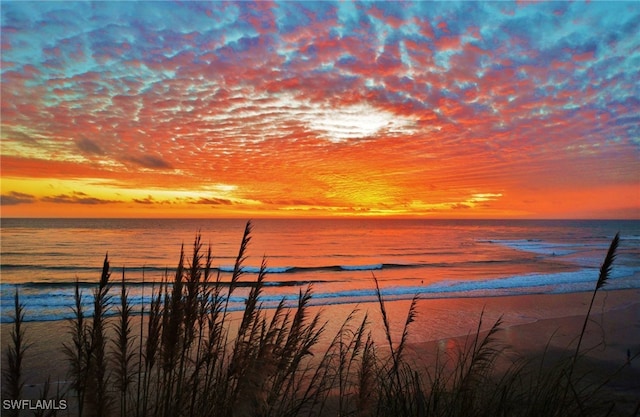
538	246
256	269
41	305
361	267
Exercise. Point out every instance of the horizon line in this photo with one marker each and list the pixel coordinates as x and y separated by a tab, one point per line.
250	218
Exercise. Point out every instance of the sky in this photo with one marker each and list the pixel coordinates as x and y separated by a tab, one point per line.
289	109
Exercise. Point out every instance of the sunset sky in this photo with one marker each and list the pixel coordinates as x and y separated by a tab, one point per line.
239	109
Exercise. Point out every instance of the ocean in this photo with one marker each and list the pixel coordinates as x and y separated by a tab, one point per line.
43	258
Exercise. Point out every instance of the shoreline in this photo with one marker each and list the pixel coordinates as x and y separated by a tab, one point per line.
528	323
536	330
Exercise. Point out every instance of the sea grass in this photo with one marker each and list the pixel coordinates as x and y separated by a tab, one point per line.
605	271
77	352
123	355
98	380
139	377
12	373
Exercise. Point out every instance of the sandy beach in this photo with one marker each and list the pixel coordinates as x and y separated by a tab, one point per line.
531	323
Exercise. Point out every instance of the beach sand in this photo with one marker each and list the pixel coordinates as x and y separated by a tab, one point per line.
612	333
531	324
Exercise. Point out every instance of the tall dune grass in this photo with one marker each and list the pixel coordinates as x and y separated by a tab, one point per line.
12	377
189	358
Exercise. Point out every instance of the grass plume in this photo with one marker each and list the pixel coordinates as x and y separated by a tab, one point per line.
12	372
605	271
77	351
98	369
124	349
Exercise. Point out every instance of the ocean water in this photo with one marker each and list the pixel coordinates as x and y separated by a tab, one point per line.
43	258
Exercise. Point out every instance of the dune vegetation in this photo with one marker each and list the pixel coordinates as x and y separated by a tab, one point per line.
186	357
